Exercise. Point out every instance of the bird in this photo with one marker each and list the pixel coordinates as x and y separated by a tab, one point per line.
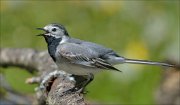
83	58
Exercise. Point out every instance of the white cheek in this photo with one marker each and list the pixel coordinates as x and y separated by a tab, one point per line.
56	36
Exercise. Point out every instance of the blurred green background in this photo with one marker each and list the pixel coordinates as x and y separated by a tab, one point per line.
134	29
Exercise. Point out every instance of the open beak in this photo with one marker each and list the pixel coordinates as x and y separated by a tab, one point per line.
42	33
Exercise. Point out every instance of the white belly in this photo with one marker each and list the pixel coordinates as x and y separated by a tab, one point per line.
76	69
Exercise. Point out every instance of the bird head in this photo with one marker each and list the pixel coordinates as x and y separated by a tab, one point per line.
53	30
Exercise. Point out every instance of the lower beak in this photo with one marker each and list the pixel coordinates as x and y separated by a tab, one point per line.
40	35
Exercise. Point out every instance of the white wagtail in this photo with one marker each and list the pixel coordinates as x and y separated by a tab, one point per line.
83	58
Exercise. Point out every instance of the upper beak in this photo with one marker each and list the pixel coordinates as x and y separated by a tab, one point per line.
42	33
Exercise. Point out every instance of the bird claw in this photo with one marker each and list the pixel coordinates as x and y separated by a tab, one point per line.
74	90
69	91
84	91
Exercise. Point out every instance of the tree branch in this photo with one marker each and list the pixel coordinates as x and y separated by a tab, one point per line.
40	61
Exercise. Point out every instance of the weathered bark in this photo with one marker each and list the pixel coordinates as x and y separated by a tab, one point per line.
27	58
40	61
55	98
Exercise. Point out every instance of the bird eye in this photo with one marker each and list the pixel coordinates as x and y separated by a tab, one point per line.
54	29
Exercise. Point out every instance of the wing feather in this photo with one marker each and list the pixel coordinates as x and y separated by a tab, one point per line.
83	56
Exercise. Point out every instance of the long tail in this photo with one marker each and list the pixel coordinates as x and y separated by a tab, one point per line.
134	61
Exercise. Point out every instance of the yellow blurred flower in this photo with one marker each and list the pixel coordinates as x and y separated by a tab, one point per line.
3	5
136	49
110	7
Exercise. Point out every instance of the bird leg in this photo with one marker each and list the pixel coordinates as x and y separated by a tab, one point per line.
81	83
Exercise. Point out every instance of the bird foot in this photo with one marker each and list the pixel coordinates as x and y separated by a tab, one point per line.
74	90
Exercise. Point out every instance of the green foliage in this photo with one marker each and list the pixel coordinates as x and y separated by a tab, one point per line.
137	29
17	77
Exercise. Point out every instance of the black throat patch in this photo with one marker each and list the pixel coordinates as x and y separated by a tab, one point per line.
52	43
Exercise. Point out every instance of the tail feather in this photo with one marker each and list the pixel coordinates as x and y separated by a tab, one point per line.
147	62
